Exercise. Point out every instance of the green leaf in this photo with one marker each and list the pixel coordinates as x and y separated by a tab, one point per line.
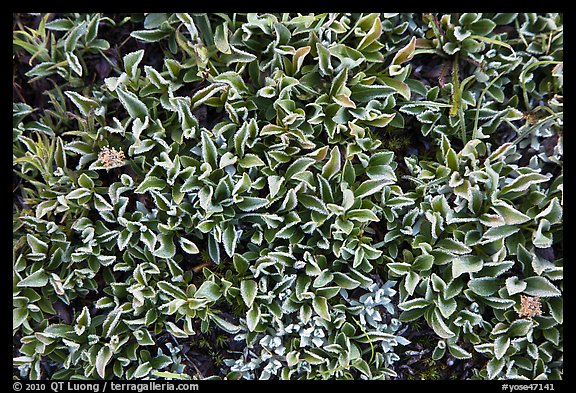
333	165
172	290
249	204
224	324
370	187
556	306
253	317
482	27
143	337
142	370
515	285
209	290
73	36
458	352
37	279
494	367
298	166
365	93
85	105
345	281
78	193
102	359
313	203
213	249
167	248
500	232
363	367
135	107
501	345
37	245
423	262
552	213
519	328
150	35
298	58
320	305
437	323
523	182
373	34
229	240
411	281
324	64
188	246
60	25
406	53
509	213
221	38
173	329
324	278
248	291
131	62
541	287
466	264
401	88
107	260
484	286
171	375
238	56
414	304
209	152
362	215
206	93
251	160
156	78
19	315
150	183
274	184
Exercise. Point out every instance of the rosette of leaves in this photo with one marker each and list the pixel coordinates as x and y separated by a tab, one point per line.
248	177
480	76
486	232
354	339
63	46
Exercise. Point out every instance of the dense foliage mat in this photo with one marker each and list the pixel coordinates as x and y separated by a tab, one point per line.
283	196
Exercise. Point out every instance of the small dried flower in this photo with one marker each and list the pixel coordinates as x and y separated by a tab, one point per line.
529	306
111	157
